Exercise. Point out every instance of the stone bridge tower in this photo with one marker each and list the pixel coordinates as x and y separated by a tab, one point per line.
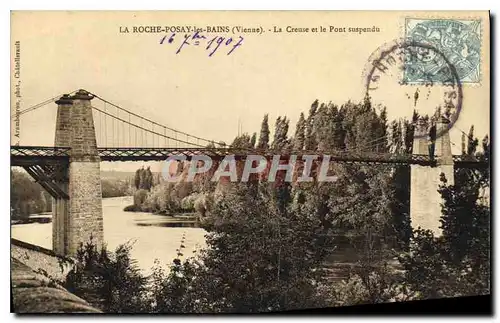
78	218
425	200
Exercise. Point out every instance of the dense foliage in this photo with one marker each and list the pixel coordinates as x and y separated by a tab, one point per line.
268	245
458	262
26	196
115	188
111	282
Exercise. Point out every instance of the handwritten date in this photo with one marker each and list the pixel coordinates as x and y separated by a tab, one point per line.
212	43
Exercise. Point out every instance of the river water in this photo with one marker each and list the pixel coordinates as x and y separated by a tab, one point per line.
153	236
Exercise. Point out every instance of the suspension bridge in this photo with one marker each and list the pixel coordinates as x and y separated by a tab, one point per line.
91	129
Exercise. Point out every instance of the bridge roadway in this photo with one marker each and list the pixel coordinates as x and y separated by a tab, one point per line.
44	155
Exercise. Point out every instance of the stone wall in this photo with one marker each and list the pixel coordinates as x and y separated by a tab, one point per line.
41	260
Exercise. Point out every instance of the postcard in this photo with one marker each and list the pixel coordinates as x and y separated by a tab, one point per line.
248	161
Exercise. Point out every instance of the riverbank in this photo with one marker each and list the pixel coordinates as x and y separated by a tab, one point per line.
155	236
186	215
34	218
152	236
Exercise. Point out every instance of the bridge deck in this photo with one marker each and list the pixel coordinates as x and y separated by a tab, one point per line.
30	155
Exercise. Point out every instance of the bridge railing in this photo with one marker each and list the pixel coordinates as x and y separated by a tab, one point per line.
21	153
40	151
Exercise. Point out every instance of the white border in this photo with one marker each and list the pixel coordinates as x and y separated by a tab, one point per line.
191	5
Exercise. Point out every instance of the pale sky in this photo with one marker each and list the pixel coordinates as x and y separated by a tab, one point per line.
275	73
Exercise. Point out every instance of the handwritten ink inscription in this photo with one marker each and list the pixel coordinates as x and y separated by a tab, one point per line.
211	43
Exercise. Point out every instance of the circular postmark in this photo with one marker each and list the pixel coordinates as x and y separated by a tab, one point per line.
407	76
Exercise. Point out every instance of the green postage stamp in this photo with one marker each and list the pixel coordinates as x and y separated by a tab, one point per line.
458	40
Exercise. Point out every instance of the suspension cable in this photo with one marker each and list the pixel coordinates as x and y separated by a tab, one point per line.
149	120
142	128
41	104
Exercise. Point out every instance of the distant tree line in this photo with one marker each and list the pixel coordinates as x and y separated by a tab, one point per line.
153	194
26	196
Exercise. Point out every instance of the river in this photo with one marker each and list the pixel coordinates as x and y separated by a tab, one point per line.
153	236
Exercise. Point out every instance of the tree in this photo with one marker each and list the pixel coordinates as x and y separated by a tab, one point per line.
148	179
298	142
242	141
264	134
280	140
338	133
465	221
322	128
144	177
253	140
137	179
396	137
310	140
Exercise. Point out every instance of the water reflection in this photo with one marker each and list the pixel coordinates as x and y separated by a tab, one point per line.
177	224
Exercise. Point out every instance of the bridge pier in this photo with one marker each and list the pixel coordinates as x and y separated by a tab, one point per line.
60	205
425	200
77	219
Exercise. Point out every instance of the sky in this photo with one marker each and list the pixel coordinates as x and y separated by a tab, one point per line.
275	73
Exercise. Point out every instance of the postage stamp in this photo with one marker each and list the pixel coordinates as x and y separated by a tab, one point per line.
458	40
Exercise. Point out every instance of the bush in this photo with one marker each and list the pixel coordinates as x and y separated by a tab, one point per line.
140	197
132	208
114	188
429	270
187	203
167	198
109	281
377	285
161	199
203	203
